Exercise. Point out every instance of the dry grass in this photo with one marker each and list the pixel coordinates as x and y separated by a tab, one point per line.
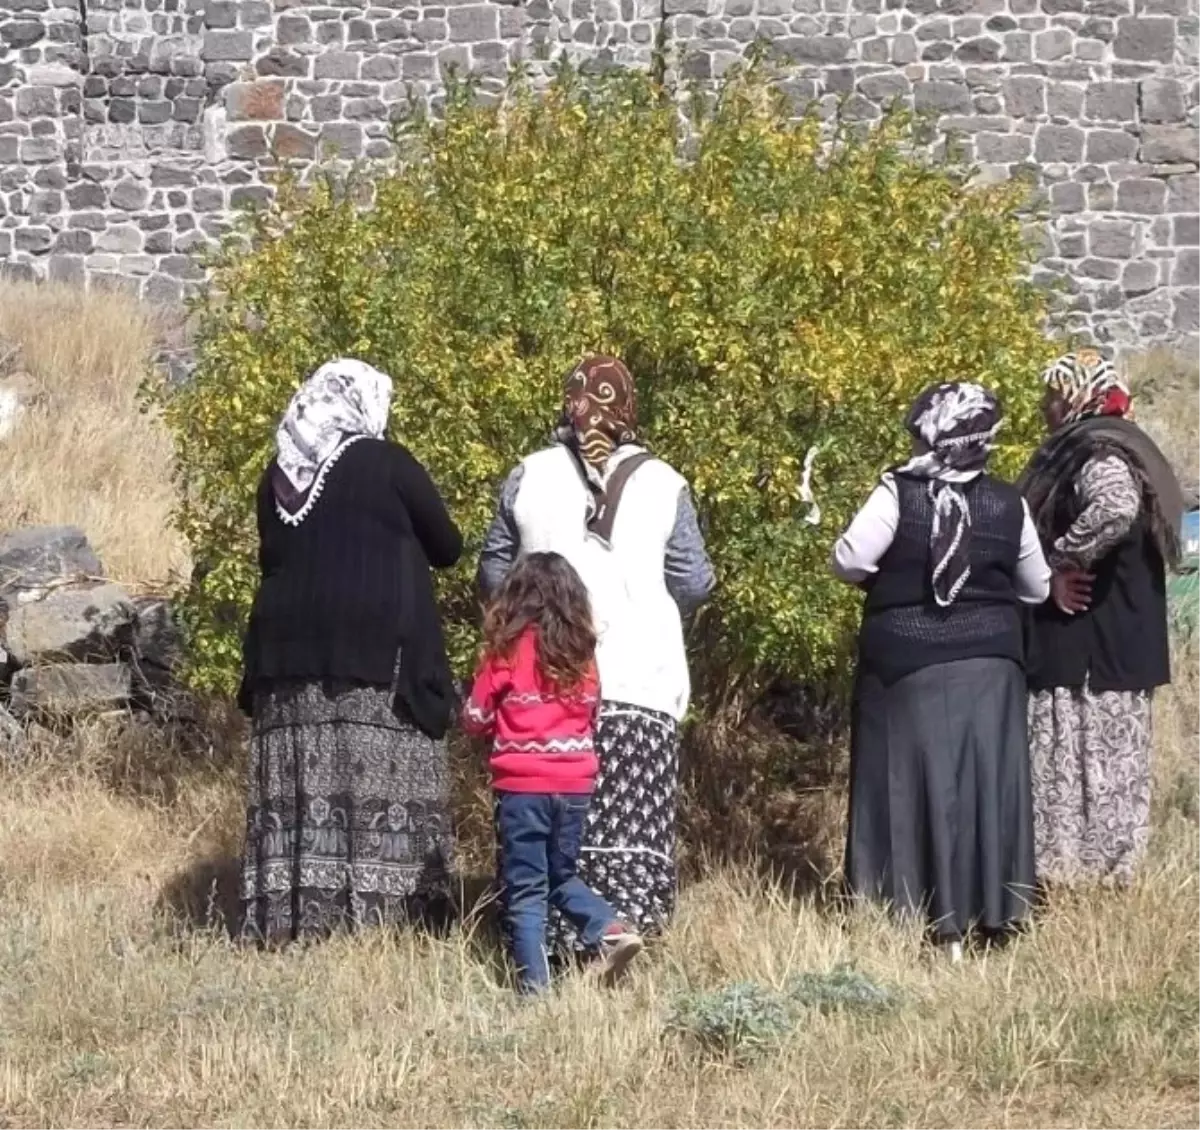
86	456
119	1008
114	1010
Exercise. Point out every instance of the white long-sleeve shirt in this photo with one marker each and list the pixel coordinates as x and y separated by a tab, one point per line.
857	553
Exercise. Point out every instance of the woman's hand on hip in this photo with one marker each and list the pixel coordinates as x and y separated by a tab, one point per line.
1071	590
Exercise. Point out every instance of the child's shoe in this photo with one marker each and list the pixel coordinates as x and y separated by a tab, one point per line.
618	947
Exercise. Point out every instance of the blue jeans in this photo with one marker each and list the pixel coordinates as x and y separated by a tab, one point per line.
540	834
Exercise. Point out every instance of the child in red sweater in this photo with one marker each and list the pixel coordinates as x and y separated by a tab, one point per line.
536	695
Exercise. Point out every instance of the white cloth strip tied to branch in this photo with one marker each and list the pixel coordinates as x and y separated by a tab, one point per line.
813	517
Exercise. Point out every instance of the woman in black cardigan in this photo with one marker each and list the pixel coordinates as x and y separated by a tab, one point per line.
346	676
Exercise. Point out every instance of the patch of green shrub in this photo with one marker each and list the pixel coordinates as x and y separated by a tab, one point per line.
743	1021
771	294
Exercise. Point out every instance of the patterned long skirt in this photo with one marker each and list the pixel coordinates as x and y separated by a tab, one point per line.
1090	755
628	853
348	819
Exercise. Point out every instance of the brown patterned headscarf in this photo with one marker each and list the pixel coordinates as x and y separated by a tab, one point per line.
599	412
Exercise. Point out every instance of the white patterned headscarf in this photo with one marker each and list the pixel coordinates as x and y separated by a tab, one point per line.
957	424
342	402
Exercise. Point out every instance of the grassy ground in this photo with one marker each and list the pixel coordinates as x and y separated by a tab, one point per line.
122	1002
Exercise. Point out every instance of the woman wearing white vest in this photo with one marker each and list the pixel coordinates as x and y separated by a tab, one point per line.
626	521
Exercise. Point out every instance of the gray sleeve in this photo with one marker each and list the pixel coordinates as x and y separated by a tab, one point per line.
502	543
689	572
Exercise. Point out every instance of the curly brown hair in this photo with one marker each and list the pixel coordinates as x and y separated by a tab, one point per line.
544	592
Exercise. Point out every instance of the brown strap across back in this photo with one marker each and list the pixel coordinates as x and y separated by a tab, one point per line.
601	522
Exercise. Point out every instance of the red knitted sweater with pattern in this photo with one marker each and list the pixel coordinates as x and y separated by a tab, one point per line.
542	738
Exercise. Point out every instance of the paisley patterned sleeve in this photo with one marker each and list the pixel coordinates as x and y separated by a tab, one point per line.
1110	502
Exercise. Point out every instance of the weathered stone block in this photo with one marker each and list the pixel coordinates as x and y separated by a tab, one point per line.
1055	43
129	196
1163	100
473	23
37	102
337	65
1140	277
122	239
39	150
1105	146
1112	239
220	14
1145	39
981	50
246	142
163	290
1183	193
1100	269
942	97
1003	148
291	143
1186	271
1112	101
1170	144
254	13
341	140
70	688
1025	96
817	49
228	46
381	68
1072	245
284	64
261	101
1068	197
1141	196
885	88
293	29
1185	231
92	623
1059	144
76	241
1187	312
16	34
35	558
1064	101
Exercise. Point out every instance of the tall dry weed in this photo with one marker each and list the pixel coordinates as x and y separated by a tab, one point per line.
85	455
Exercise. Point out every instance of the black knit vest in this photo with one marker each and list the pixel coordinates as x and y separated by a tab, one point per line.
903	629
1122	642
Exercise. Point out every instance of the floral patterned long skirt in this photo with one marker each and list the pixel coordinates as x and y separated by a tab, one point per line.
1090	754
628	852
348	820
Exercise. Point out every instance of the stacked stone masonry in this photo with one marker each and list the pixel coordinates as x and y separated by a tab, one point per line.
132	130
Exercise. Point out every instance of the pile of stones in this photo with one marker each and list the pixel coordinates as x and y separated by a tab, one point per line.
73	644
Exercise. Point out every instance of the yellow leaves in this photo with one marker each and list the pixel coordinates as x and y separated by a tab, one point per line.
767	298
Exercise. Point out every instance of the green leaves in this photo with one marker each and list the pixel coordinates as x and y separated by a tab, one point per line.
770	291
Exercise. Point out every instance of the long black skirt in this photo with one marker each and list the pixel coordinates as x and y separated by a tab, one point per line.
941	815
348	822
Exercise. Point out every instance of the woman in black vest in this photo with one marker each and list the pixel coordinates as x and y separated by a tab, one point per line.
346	676
940	819
1107	507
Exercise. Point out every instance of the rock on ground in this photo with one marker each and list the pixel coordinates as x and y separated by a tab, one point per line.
70	688
38	557
88	624
157	642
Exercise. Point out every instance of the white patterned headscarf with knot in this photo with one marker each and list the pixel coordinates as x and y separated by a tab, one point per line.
957	424
343	401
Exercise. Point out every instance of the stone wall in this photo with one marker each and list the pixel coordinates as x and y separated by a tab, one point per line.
131	129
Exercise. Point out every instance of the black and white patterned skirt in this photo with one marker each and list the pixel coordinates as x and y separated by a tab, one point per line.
628	853
348	820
